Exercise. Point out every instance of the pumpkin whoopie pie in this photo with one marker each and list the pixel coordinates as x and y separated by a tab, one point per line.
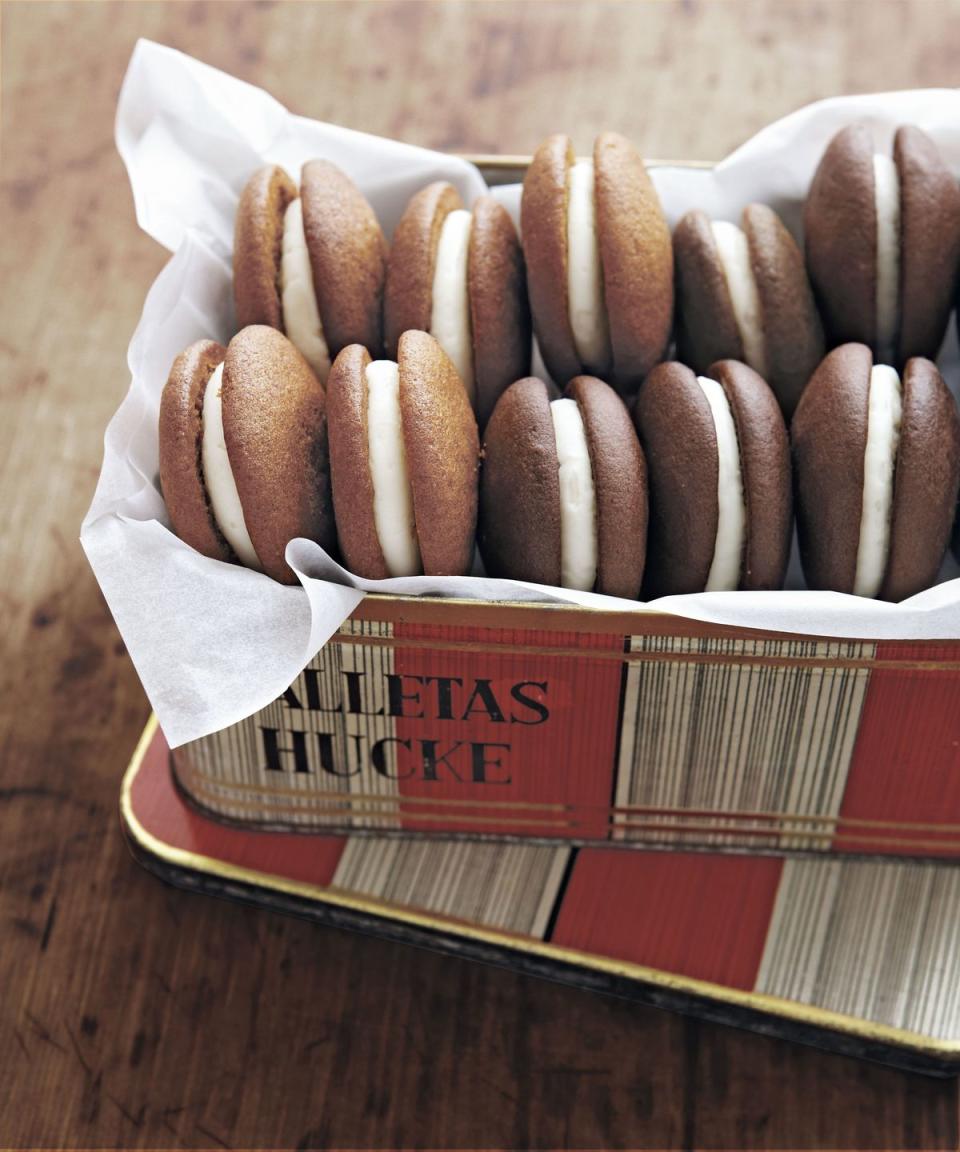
458	274
883	242
718	460
404	459
563	490
743	294
876	461
243	451
310	264
599	261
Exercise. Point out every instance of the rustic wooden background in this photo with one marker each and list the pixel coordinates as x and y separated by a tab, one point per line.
135	1015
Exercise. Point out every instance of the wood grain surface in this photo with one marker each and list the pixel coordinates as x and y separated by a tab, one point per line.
135	1015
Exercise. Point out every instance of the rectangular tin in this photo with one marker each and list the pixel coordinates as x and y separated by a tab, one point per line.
435	717
426	717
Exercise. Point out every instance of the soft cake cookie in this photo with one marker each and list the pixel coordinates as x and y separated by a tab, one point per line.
883	243
955	543
743	294
458	274
563	490
718	460
404	459
310	264
243	451
599	261
876	461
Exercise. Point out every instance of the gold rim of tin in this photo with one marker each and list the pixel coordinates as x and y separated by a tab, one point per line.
640	614
500	161
758	1001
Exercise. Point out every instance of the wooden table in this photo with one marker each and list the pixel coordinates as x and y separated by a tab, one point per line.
133	1014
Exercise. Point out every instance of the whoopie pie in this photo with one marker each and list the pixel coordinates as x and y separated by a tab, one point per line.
404	461
718	461
458	274
243	451
563	490
743	294
876	460
311	264
599	261
883	242
955	542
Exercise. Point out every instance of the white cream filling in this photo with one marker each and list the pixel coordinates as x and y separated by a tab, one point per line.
588	313
392	495
218	475
301	315
734	251
578	500
884	410
450	311
727	561
886	191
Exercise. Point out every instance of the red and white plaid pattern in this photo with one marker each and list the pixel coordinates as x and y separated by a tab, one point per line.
768	743
876	940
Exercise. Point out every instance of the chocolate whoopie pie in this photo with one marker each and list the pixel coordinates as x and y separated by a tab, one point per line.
718	459
563	490
458	274
599	261
243	451
743	294
311	264
955	542
404	459
883	242
876	460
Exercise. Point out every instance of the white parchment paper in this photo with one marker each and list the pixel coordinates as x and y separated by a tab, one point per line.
213	642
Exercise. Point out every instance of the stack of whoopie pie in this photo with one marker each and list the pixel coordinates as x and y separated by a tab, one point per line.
377	399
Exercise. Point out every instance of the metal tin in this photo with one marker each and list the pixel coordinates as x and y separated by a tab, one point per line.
430	717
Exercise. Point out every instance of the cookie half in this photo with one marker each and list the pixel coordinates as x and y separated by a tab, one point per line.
883	242
243	451
599	261
310	263
955	542
718	460
876	459
743	294
563	490
459	275
404	459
